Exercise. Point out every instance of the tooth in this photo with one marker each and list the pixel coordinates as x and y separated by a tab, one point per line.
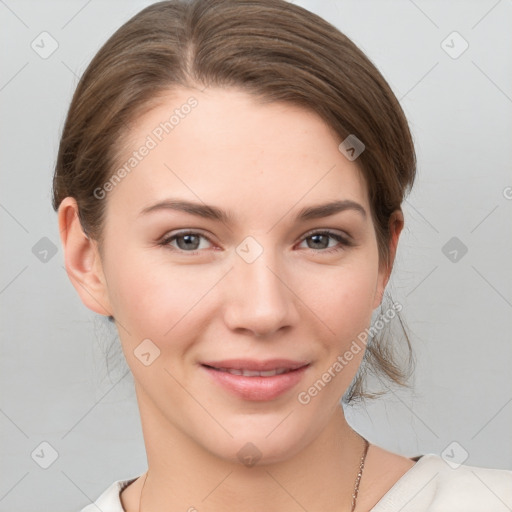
254	373
250	373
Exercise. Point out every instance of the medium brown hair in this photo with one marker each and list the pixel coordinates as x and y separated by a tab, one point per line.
271	49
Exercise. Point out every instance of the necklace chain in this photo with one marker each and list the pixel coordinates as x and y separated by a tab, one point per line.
356	485
359	474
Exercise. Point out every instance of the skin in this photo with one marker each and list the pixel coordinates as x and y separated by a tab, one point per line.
263	163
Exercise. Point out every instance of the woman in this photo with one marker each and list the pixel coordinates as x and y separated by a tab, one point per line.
229	186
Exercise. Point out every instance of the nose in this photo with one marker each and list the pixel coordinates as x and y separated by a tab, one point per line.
259	296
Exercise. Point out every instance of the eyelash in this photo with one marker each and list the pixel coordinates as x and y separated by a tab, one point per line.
343	241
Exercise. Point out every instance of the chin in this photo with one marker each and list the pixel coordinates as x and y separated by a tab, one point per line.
260	443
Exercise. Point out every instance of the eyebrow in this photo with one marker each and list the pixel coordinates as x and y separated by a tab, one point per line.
214	213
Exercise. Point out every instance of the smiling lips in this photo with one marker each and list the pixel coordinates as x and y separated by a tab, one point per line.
256	380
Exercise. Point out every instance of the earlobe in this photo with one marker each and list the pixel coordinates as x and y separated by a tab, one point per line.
396	224
82	261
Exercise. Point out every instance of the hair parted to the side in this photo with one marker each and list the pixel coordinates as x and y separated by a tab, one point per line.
271	49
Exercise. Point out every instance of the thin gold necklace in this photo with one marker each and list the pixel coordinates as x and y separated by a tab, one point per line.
359	474
356	485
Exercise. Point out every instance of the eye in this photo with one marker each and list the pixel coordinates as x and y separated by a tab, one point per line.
186	241
321	240
192	241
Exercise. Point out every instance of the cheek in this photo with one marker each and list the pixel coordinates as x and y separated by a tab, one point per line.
344	308
154	299
343	297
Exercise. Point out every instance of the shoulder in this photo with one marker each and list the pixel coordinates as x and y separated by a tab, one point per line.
435	485
109	500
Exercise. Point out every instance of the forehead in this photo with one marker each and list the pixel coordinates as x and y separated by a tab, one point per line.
223	146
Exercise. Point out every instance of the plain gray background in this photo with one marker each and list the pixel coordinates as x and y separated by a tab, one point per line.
56	387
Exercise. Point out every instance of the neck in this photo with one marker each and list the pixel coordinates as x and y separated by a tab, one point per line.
184	476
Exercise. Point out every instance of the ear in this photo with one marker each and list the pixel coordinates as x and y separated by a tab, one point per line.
396	224
82	260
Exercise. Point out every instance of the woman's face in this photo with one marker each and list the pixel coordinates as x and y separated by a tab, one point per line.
216	252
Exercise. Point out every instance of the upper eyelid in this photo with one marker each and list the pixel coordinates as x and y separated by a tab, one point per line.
327	231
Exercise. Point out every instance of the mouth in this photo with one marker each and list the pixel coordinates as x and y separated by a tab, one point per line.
256	380
252	373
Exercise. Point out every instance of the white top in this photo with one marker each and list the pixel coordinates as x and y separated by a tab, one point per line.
431	485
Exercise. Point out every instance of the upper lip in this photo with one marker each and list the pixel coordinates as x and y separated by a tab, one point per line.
254	365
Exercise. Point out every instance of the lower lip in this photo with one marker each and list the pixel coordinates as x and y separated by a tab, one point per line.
257	388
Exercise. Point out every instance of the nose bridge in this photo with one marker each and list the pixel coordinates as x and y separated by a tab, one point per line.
259	300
